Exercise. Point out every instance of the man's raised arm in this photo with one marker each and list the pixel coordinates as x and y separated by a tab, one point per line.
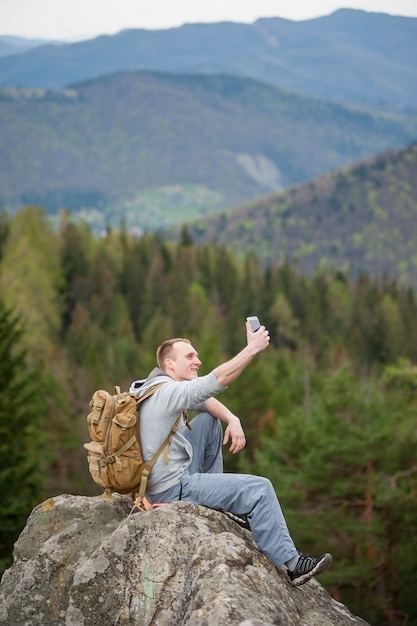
256	342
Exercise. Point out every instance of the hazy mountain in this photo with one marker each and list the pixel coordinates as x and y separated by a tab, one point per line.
10	44
360	218
351	56
210	142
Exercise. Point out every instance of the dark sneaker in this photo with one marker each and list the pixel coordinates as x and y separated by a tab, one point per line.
307	567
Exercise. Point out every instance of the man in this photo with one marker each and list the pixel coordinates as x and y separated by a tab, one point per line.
193	468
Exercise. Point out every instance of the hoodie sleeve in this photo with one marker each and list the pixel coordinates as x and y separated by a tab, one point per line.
190	394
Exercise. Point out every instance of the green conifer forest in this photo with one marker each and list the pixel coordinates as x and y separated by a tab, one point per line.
329	410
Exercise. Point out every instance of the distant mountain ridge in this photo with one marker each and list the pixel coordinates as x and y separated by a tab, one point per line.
350	56
10	44
101	145
360	218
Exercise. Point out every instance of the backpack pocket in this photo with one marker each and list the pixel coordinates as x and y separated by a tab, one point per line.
98	418
96	466
125	420
124	474
123	430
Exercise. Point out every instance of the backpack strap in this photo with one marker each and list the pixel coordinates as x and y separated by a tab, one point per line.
148	466
115	456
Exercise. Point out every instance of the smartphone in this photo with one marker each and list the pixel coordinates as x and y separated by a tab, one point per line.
254	323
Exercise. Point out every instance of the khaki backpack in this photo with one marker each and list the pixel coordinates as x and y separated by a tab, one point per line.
114	454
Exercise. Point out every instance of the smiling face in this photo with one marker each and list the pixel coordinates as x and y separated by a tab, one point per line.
183	363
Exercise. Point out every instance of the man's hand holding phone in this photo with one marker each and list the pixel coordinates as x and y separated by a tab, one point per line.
256	342
257	335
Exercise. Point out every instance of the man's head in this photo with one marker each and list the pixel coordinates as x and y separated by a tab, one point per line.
177	358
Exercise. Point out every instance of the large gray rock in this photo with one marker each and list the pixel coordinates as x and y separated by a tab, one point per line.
85	562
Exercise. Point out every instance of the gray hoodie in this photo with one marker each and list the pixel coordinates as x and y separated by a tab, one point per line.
158	414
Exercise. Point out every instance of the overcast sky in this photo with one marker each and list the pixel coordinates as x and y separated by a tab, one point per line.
82	19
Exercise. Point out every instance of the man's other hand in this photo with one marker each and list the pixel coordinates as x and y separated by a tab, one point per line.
234	432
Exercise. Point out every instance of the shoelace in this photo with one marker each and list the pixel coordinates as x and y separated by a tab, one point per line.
305	563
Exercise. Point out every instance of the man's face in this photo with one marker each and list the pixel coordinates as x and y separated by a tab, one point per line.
184	364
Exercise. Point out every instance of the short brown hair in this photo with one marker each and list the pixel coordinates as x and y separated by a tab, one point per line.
166	350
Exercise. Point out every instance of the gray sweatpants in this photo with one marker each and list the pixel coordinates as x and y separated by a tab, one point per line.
242	494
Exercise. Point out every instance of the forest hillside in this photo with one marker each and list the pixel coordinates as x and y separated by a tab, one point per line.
329	410
359	218
159	149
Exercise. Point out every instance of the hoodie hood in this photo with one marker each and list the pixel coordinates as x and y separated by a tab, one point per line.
156	376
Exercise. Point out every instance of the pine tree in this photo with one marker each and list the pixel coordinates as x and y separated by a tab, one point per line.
21	441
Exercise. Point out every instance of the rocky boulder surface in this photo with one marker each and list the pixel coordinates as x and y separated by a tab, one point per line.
83	561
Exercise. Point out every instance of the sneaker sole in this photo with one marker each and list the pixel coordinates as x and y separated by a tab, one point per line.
321	566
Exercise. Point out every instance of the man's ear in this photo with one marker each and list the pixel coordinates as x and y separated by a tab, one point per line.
168	364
